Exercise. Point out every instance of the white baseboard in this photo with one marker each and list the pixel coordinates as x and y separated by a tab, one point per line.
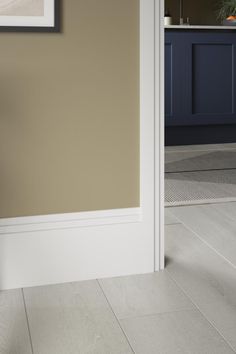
69	220
71	247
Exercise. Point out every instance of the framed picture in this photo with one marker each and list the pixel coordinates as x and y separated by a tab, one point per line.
29	15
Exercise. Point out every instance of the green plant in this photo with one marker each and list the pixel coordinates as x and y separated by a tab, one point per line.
226	8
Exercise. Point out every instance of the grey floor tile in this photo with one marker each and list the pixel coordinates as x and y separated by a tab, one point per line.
227	209
200	160
73	318
205	277
229	146
175	332
14	334
201	147
212	226
172	159
140	295
170	218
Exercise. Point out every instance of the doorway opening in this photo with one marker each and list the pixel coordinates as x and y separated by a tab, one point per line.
200	115
200	122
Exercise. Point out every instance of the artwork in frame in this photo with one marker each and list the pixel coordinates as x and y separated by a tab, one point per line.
29	15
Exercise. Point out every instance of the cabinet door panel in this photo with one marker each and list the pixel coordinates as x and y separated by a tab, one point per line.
206	87
212	79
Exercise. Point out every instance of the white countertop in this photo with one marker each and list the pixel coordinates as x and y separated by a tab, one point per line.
189	27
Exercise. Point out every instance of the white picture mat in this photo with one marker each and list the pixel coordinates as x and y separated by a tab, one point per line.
48	20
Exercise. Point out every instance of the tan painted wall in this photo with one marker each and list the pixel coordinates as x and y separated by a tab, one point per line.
200	12
69	112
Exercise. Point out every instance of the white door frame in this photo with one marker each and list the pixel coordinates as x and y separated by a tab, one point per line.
159	135
152	113
49	249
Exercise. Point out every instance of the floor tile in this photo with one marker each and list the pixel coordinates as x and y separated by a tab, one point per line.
73	318
170	218
200	160
175	332
179	161
144	294
205	277
213	227
201	147
227	209
229	146
14	334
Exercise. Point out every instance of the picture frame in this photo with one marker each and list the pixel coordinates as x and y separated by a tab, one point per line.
29	15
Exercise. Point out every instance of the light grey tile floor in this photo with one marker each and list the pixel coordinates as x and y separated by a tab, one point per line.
207	278
205	147
188	308
14	334
142	295
73	318
200	160
229	146
228	209
212	226
182	332
170	218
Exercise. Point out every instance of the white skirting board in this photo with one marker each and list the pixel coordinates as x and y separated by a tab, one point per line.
71	247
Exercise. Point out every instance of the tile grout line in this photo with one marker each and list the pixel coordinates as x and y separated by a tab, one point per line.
174	223
220	148
224	200
154	314
208	245
199	309
202	170
202	240
172	151
199	202
118	321
27	320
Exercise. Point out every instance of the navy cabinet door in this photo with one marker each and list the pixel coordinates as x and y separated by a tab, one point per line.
200	78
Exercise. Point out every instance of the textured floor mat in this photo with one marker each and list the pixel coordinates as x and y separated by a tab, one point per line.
200	187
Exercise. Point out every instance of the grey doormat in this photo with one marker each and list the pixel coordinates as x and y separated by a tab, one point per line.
200	177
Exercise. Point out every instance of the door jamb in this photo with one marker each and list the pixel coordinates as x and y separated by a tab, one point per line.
159	135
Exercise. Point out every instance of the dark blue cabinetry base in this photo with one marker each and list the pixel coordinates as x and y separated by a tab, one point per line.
200	134
200	78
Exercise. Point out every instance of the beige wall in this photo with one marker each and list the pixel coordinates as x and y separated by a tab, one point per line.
202	12
69	112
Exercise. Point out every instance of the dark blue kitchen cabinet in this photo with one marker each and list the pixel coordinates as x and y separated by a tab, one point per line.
200	77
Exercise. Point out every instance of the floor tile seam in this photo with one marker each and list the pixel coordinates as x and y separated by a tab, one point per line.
203	171
154	314
27	321
176	217
224	214
200	311
213	207
199	202
197	150
209	245
116	318
210	203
